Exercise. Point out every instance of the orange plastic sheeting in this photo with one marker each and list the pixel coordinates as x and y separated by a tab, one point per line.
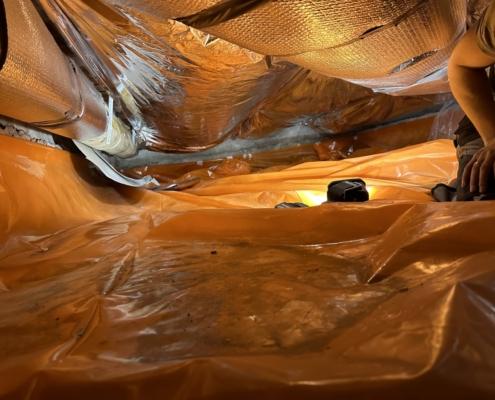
43	190
111	293
404	174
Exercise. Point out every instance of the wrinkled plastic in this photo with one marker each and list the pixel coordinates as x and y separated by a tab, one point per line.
332	106
338	147
446	121
188	174
190	90
111	292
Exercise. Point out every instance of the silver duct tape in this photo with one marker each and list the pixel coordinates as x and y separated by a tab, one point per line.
117	139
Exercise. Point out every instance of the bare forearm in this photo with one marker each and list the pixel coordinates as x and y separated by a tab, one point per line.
470	85
472	91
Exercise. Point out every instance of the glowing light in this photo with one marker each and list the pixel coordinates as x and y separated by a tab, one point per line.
372	191
316	197
312	197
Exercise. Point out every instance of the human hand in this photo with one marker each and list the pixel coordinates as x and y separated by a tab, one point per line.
478	170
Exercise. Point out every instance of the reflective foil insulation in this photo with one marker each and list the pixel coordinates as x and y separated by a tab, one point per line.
184	89
339	39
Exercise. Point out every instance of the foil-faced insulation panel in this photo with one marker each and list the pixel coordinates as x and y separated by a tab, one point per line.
39	85
346	39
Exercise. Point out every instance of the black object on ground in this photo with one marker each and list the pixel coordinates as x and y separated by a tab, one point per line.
349	190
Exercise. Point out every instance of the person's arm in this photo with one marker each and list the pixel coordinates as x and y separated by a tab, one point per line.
471	87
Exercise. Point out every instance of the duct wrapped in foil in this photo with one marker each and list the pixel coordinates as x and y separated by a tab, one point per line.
41	87
38	84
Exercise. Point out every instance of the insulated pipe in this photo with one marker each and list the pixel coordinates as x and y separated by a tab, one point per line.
40	86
